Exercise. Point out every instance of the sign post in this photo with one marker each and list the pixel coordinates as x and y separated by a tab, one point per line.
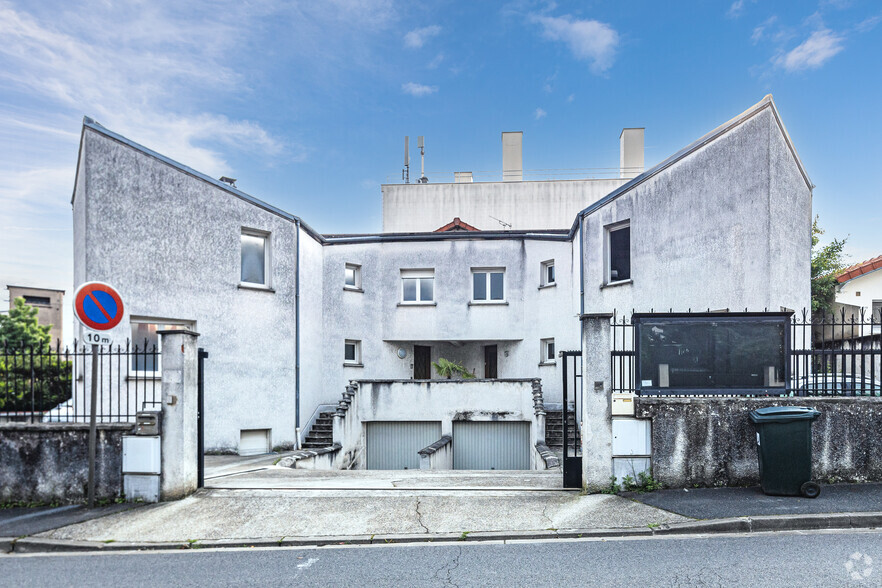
99	308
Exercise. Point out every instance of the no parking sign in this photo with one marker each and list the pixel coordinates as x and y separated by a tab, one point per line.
99	307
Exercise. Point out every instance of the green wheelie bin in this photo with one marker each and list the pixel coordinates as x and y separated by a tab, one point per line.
784	447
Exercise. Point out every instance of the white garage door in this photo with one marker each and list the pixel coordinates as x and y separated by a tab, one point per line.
254	441
394	445
491	445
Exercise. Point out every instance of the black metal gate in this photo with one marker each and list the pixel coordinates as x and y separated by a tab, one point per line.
200	419
572	442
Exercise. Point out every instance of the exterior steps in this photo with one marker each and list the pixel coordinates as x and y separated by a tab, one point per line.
554	429
321	433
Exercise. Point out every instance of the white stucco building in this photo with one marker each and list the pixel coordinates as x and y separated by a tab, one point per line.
291	316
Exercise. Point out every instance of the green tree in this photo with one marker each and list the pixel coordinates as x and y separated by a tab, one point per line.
826	262
32	377
20	328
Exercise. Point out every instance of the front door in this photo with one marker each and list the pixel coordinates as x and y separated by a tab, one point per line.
490	362
422	362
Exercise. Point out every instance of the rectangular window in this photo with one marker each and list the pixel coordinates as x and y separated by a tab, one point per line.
417	286
711	352
547	275
548	351
255	257
145	339
352	279
488	285
352	352
618	245
877	316
36	300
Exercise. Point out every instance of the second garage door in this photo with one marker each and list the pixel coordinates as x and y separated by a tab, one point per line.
491	445
393	445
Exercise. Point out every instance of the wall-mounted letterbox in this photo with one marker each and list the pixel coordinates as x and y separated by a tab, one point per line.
148	423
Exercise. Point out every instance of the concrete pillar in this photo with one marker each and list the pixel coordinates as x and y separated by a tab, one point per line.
180	397
597	465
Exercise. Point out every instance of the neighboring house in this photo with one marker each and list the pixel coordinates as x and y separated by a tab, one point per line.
291	316
860	288
49	304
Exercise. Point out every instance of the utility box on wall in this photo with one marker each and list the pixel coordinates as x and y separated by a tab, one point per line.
141	464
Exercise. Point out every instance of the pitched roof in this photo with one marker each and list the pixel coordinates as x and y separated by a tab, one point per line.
456	225
859	269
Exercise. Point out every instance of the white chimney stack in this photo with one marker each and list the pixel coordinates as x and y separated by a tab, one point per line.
462	177
631	153
512	156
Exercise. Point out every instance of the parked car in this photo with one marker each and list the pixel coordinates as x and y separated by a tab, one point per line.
837	385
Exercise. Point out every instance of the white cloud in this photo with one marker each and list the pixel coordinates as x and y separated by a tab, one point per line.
539	114
418	37
759	32
436	62
735	9
571	97
418	90
587	40
812	53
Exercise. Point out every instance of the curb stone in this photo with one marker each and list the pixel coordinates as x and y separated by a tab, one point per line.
756	524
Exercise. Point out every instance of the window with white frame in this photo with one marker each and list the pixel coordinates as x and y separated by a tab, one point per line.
417	286
877	316
618	248
352	278
547	273
488	285
547	350
255	256
145	340
352	352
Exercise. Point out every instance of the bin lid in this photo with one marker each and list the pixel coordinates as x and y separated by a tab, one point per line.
783	414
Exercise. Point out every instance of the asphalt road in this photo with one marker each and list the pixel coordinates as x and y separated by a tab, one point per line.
784	559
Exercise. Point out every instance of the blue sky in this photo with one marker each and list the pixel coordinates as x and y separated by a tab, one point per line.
307	103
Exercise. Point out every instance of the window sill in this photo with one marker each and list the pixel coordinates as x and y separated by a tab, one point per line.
353	289
551	285
354	365
247	286
547	363
616	283
417	304
491	303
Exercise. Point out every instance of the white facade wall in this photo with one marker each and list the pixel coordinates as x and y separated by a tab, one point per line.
531	205
869	286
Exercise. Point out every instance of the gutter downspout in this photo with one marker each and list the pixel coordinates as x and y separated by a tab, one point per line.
581	267
297	340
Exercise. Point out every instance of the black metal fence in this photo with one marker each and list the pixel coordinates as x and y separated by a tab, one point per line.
832	355
45	384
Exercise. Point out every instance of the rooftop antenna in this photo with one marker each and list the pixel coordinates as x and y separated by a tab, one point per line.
421	145
505	226
405	173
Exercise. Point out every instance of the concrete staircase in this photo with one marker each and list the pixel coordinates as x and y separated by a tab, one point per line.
554	429
321	433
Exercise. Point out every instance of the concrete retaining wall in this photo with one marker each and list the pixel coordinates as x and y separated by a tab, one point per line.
711	442
49	462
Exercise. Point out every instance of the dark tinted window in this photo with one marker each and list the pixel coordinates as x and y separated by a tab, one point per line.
620	254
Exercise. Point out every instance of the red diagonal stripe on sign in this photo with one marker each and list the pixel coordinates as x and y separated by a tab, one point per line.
98	304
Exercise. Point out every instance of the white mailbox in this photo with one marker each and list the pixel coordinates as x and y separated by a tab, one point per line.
141	455
631	437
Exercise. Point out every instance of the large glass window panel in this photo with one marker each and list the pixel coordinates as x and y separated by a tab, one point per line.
711	353
253	259
410	289
427	289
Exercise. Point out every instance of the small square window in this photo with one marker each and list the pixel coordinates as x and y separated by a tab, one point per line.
352	277
618	244
254	257
146	341
547	275
417	286
488	285
352	352
548	351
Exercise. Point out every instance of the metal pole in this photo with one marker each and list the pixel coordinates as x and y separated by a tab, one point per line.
93	426
200	449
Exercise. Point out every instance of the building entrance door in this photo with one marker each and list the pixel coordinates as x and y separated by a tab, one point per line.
490	370
422	362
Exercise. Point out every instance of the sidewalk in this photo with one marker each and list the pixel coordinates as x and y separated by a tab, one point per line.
255	503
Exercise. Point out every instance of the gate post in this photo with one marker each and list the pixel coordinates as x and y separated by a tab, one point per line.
180	408
597	464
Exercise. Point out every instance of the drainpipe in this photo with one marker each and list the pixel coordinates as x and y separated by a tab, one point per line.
297	339
581	266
